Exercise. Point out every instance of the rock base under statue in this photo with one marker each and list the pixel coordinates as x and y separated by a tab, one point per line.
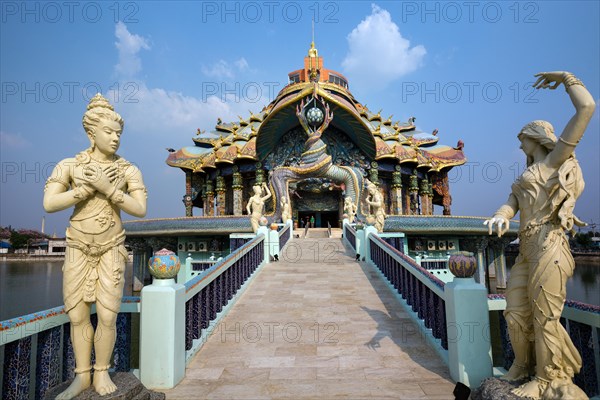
128	388
496	389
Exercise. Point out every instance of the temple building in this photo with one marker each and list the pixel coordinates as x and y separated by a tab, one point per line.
314	145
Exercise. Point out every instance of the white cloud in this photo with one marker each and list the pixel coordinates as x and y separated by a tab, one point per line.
128	45
241	64
225	70
12	141
159	112
378	54
220	69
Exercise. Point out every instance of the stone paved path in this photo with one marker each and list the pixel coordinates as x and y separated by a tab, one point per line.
316	325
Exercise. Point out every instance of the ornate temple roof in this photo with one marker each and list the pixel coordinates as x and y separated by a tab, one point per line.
254	137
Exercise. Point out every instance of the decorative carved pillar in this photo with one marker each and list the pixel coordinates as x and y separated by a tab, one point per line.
396	192
413	189
260	174
210	198
499	246
442	186
221	190
187	198
238	189
203	196
424	196
430	197
374	173
406	198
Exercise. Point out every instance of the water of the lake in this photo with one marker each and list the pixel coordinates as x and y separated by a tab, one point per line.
27	287
31	286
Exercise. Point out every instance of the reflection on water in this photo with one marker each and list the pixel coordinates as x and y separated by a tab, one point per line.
27	287
585	284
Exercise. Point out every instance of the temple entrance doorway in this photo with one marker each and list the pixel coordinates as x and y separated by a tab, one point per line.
323	206
321	218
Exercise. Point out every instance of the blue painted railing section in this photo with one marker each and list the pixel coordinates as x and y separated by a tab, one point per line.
47	333
350	234
401	271
585	337
207	294
395	242
236	243
284	236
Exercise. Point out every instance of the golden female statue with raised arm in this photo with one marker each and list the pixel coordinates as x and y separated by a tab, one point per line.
256	204
99	184
545	196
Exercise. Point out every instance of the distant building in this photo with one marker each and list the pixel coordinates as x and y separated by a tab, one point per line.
57	246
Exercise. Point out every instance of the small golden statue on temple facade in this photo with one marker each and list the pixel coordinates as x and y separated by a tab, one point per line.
256	204
349	209
99	184
375	202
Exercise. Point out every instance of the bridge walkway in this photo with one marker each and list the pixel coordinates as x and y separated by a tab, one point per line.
316	324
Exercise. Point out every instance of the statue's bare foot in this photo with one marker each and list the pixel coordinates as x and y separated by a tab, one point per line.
102	383
80	383
516	373
530	390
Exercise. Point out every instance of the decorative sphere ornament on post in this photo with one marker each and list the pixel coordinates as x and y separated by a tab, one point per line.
164	264
462	264
370	220
314	116
263	221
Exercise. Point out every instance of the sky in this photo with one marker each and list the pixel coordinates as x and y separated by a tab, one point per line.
169	68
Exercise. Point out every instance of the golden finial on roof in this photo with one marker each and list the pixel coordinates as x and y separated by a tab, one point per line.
313	52
389	120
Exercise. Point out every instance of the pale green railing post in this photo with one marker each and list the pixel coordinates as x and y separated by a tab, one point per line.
360	239
273	243
162	334
468	323
263	230
369	230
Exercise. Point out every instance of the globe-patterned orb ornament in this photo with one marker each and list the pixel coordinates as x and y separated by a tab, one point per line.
314	116
462	264
164	264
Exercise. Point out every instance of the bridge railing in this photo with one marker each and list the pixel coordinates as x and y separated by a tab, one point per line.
429	299
284	235
421	291
581	321
350	235
36	352
209	294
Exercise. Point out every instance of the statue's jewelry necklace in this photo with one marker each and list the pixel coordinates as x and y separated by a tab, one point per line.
112	160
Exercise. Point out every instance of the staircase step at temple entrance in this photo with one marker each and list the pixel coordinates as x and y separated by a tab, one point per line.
316	324
317	233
